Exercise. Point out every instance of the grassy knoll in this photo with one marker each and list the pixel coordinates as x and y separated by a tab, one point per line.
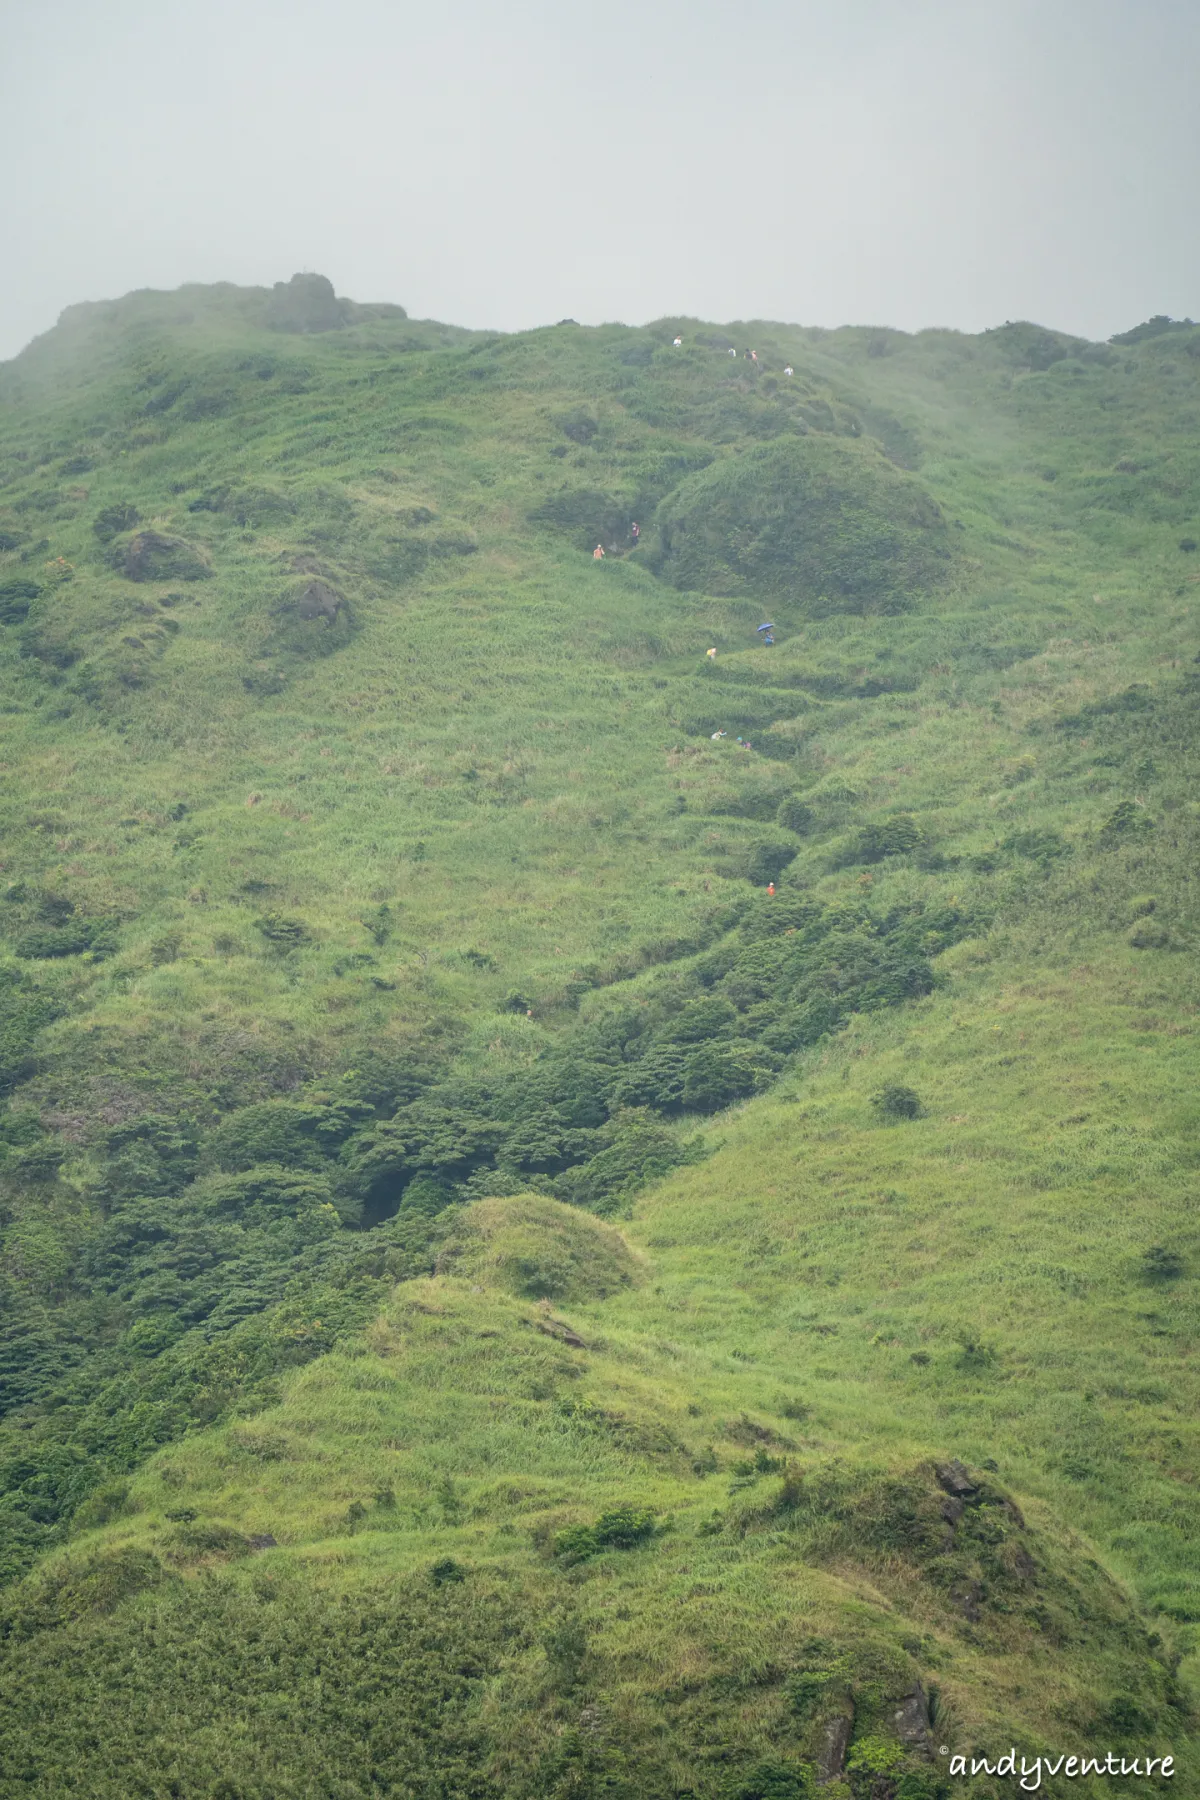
495	1302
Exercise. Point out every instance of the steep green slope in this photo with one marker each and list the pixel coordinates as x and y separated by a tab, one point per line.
384	901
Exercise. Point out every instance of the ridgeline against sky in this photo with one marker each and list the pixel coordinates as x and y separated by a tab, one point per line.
933	164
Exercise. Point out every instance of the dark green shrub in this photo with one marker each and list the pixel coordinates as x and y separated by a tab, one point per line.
270	1193
37	1162
1160	1265
975	1356
873	1756
188	1543
888	837
1040	846
16	598
795	816
425	1196
446	1572
168	1149
274	1131
151	1153
898	1102
20	1126
53	941
23	1013
575	1544
638	1153
921	1784
587	515
766	860
703	1019
282	932
776	1780
818	521
624	1527
655	1080
807	1689
1125	1718
150	556
112	520
378	925
1126	820
716	1075
579	425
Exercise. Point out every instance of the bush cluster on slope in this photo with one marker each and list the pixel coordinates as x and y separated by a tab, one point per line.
205	1232
824	523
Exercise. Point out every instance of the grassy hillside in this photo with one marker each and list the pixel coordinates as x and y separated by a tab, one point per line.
493	1300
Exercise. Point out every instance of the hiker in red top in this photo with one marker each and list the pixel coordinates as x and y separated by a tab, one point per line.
597	553
771	889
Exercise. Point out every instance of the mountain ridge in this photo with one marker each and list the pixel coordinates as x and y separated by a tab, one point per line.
386	921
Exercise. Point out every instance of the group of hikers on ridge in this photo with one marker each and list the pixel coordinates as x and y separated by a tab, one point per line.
750	356
747	355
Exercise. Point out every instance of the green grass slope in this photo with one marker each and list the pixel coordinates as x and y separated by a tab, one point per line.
492	1300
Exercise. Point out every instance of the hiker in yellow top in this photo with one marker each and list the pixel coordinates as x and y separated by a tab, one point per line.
598	553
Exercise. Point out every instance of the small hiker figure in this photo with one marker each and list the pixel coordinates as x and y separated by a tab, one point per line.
718	734
678	342
711	654
635	531
597	553
753	356
771	889
789	370
732	351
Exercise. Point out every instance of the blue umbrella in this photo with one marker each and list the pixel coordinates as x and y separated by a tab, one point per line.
766	628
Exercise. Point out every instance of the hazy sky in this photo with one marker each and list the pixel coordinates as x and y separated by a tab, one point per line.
902	162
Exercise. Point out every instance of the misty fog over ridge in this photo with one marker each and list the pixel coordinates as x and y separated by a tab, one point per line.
924	166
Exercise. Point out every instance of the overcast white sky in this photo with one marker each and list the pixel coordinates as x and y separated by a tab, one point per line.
901	162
